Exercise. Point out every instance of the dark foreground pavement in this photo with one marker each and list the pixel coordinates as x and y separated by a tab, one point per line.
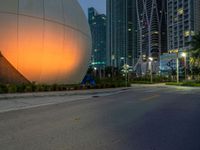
142	118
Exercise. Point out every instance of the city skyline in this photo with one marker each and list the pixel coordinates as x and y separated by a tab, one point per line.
122	32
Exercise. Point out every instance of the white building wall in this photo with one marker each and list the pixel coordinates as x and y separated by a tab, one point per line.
47	41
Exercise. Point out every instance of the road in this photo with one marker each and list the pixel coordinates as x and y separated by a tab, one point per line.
140	118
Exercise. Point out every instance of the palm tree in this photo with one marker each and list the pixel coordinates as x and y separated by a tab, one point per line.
195	54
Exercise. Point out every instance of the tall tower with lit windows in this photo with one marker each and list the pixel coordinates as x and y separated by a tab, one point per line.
152	19
152	33
97	24
183	23
121	33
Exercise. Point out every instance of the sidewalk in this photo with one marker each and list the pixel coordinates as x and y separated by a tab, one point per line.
148	85
59	93
10	102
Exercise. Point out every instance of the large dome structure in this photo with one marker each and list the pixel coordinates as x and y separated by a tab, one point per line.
46	41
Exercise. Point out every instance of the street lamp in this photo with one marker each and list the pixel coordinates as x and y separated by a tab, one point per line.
126	69
184	55
177	66
151	68
95	71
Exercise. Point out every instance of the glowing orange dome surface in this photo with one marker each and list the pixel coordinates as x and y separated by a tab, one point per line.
47	41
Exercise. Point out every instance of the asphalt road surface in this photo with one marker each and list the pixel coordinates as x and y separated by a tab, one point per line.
141	118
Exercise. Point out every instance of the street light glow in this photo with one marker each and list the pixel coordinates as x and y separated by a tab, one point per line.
184	54
151	58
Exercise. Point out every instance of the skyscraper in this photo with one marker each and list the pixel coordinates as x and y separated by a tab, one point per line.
183	23
151	15
197	16
97	24
121	33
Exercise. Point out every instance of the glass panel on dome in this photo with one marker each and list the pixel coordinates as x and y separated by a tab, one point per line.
9	6
30	47
53	51
54	10
31	8
8	38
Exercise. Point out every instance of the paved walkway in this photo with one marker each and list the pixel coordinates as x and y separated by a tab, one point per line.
10	102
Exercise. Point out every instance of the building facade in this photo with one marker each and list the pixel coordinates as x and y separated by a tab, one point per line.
121	33
97	24
183	23
152	32
151	15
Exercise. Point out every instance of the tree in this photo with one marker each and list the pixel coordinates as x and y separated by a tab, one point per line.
195	54
112	71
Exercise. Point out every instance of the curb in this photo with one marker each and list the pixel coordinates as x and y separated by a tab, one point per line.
61	93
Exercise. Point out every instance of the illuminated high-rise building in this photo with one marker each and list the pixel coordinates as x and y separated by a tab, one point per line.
121	33
152	33
152	29
183	23
97	24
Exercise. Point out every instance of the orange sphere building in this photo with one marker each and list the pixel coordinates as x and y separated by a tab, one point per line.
45	41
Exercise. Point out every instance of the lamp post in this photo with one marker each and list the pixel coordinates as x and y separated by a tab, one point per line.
125	69
184	55
95	71
177	67
151	68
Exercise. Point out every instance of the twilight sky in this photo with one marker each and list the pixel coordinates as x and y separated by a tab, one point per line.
100	5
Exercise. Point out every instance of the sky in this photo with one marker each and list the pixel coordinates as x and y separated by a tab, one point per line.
100	5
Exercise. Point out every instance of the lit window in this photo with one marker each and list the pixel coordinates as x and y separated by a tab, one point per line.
192	33
187	33
180	11
155	32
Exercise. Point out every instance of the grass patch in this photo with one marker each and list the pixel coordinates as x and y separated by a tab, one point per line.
142	82
185	83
